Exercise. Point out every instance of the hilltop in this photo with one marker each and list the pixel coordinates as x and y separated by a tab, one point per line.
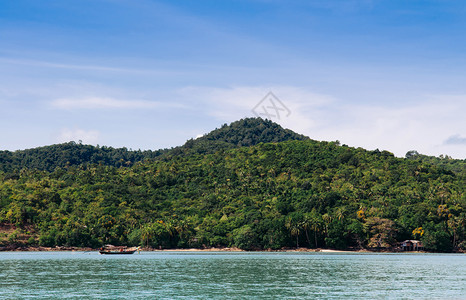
243	133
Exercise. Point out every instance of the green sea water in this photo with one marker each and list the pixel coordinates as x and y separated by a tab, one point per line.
231	275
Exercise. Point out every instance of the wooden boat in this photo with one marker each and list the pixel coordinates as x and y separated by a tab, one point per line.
109	249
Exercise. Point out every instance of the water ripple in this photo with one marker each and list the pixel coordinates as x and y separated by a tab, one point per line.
171	275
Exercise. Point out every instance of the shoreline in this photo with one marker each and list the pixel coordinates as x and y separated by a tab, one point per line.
214	249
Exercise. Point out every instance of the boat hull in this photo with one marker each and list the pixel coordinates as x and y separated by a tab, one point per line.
116	252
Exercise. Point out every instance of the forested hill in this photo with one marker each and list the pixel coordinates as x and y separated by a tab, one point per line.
48	158
245	132
268	196
444	161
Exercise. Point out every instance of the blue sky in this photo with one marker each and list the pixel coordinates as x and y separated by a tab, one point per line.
151	74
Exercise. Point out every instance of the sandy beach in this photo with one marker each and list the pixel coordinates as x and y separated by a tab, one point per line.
226	249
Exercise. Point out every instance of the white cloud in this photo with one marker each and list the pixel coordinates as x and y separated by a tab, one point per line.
49	64
423	125
231	104
455	140
102	103
86	136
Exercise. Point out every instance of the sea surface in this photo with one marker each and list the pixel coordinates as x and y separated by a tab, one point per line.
231	275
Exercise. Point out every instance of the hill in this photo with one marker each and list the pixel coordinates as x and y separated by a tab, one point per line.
263	196
242	133
457	166
48	158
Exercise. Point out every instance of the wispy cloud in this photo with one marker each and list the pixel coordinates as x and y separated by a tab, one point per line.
48	64
159	68
421	125
230	104
102	103
455	140
85	136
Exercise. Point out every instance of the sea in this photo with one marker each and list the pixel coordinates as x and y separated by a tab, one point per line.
231	275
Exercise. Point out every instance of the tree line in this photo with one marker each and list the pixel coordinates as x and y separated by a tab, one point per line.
295	193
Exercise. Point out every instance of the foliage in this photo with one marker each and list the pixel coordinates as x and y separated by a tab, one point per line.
64	155
230	189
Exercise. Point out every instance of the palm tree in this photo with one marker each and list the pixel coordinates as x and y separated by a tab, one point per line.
306	226
313	221
294	226
147	233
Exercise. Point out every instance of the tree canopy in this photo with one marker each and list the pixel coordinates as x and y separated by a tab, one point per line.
251	185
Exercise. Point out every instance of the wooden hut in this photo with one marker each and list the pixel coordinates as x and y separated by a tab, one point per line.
412	245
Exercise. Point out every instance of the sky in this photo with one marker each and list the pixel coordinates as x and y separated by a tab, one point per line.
150	74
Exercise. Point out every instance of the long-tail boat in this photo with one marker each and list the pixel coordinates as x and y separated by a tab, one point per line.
110	249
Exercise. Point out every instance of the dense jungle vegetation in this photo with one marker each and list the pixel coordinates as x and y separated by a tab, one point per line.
251	185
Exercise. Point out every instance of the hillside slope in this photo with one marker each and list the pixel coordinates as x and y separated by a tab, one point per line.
271	195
